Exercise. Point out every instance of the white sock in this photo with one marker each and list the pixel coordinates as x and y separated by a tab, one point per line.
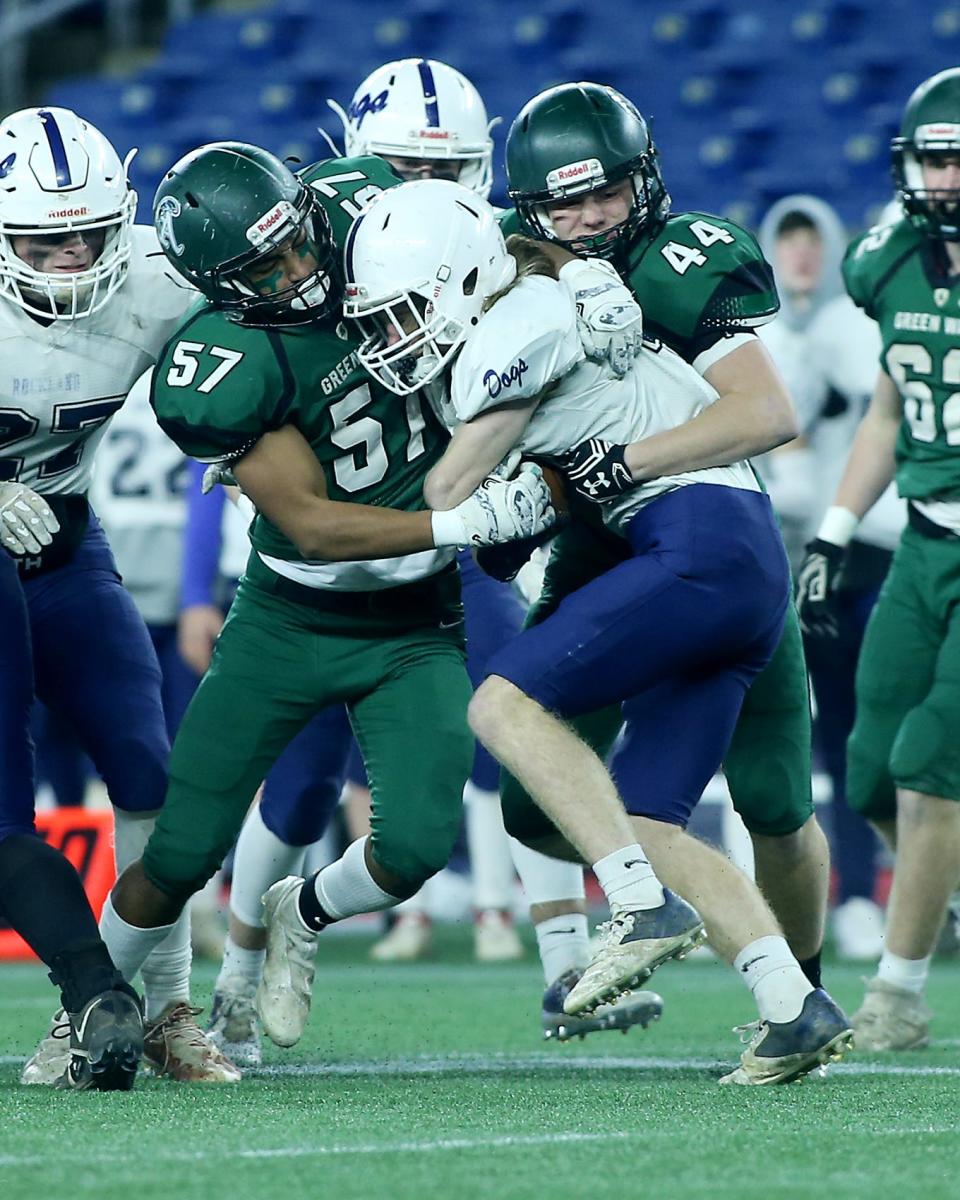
129	945
261	859
628	880
546	879
907	973
166	969
131	831
346	887
239	963
773	975
564	944
491	866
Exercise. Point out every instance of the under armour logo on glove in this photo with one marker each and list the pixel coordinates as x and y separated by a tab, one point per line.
597	470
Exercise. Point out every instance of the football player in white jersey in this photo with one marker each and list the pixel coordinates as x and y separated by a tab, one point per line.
86	303
675	633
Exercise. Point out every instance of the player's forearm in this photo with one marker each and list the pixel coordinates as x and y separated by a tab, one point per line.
332	531
871	465
734	427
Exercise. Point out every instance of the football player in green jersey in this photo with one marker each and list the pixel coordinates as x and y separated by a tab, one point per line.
903	757
345	599
583	172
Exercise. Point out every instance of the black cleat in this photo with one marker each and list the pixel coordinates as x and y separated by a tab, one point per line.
622	1014
780	1052
106	1041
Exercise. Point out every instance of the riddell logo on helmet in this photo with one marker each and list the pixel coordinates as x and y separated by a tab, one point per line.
575	172
264	226
60	213
939	131
432	135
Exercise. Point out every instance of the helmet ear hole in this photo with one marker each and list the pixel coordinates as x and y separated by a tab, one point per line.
470	282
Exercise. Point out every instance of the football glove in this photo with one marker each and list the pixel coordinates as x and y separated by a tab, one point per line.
817	583
609	320
505	561
218	472
500	510
27	523
596	470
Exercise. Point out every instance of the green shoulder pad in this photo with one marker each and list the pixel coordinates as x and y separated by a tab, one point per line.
872	259
701	277
219	386
345	185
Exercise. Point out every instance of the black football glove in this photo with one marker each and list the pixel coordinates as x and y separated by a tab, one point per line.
817	582
596	470
504	560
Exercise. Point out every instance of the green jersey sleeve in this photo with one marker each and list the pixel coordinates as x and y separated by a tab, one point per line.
219	386
345	185
873	258
700	279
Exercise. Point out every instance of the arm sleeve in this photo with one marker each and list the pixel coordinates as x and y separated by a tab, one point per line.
201	541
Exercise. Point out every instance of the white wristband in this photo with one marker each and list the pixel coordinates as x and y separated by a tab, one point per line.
448	528
838	525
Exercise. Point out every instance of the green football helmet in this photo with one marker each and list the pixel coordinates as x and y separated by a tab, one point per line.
930	127
226	206
576	138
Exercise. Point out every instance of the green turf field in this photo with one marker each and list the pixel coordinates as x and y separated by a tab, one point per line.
430	1081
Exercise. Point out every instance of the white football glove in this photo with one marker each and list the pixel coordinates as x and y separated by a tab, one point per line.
218	472
609	320
27	523
500	510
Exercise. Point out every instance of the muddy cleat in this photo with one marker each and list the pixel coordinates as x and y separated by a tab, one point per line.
409	939
633	943
234	1026
175	1047
782	1052
495	938
639	1009
286	989
52	1057
891	1018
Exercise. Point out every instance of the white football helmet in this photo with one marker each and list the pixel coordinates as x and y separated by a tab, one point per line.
421	260
420	108
60	176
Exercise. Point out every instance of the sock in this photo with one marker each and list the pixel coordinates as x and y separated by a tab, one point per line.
628	880
261	858
166	969
773	975
546	879
907	973
131	832
811	968
129	945
346	887
491	867
239	963
564	945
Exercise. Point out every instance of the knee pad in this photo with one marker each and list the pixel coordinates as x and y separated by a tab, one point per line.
925	756
870	788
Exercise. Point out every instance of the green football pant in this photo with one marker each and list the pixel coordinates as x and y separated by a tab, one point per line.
275	665
907	729
768	763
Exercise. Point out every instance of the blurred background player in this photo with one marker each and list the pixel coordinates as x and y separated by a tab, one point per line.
826	350
903	767
86	304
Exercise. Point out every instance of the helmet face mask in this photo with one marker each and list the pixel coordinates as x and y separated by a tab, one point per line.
233	253
66	211
930	131
425	111
580	138
421	263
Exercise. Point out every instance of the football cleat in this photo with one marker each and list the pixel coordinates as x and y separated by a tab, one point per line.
106	1041
286	988
234	1027
175	1047
633	943
50	1059
409	939
891	1018
622	1014
782	1052
495	938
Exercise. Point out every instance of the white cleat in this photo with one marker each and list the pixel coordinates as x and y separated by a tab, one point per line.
175	1047
410	939
891	1018
52	1057
495	938
286	989
633	943
234	1026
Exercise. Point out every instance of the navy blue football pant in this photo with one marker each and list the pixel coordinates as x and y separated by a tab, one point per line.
16	697
303	788
833	668
95	666
676	633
